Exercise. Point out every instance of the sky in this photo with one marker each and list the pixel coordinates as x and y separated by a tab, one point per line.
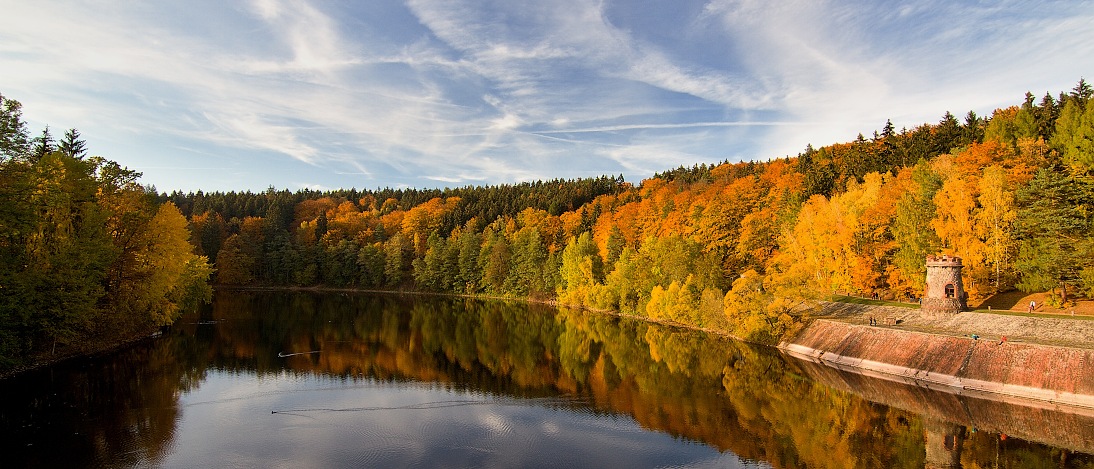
245	95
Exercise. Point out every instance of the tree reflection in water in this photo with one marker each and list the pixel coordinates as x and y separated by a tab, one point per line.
123	409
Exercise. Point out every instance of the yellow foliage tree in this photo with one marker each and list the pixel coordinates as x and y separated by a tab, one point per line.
995	227
758	315
164	274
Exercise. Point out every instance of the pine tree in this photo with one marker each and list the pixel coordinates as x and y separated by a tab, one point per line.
946	135
1083	91
43	145
1054	227
72	145
973	130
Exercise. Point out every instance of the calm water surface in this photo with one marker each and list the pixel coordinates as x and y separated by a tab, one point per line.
356	380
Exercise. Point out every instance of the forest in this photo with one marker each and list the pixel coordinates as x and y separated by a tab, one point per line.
744	248
88	256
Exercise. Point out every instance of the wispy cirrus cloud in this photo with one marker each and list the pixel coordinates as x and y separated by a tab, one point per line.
854	64
427	92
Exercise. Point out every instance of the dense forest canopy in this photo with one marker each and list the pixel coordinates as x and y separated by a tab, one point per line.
741	247
87	254
735	246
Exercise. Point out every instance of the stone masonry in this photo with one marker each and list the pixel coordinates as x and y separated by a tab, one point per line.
945	293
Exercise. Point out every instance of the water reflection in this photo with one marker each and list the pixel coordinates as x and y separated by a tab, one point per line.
1067	427
373	380
120	411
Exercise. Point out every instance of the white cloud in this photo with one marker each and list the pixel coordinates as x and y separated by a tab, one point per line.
468	91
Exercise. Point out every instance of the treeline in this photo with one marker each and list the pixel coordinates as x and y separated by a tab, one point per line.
740	247
732	246
480	202
87	254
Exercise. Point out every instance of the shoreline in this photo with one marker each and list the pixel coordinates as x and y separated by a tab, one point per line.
843	322
87	351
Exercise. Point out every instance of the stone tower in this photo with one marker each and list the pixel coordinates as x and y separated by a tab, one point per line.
943	442
945	294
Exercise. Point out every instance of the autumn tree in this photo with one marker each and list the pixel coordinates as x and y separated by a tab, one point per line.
756	314
582	269
954	223
86	252
166	277
234	265
995	226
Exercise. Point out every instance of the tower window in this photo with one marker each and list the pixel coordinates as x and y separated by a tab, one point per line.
949	290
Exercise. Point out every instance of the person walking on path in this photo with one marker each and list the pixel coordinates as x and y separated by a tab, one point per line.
1032	306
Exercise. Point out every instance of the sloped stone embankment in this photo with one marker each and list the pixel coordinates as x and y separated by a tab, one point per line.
1056	374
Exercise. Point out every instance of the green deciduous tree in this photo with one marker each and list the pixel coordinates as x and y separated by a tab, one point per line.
1074	137
527	263
911	228
429	271
14	137
470	276
58	254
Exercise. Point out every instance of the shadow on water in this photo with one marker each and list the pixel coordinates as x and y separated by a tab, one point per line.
124	410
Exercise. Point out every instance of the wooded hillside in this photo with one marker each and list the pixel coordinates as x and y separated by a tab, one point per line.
88	256
740	247
736	246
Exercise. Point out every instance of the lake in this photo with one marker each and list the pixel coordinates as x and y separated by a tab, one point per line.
304	379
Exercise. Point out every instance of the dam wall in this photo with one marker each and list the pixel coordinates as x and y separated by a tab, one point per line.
1031	420
993	369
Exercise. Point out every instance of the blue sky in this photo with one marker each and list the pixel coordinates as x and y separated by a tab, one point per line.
237	95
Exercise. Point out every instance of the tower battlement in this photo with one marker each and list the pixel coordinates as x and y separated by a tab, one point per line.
943	261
